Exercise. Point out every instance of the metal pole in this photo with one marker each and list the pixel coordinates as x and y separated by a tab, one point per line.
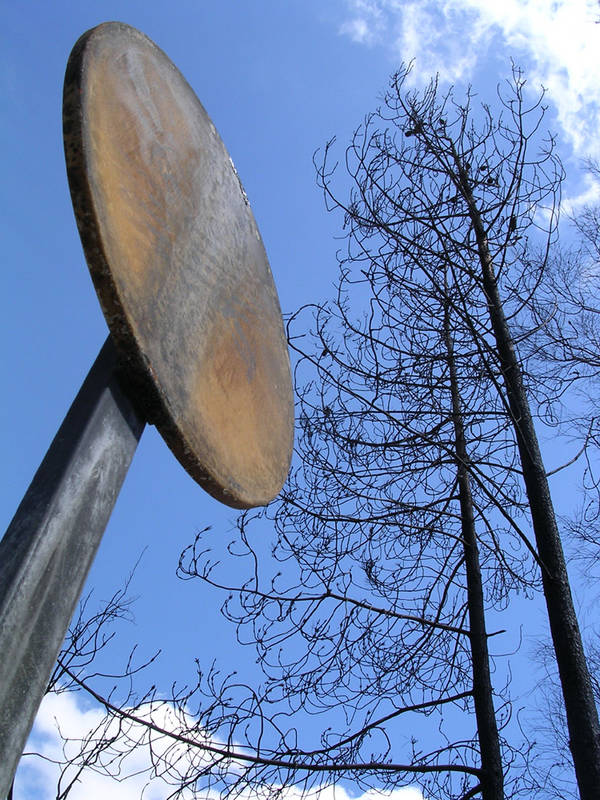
51	542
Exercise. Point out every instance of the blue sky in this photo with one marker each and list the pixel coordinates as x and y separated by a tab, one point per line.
279	78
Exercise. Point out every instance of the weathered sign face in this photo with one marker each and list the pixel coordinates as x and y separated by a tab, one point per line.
178	264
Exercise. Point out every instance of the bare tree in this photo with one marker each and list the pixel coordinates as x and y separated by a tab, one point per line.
566	347
498	190
453	199
419	501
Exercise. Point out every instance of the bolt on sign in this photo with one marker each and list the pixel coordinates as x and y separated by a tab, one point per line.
196	344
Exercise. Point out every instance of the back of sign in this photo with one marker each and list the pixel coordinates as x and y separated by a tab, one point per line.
178	264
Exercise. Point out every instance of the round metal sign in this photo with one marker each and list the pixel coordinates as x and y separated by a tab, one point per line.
178	265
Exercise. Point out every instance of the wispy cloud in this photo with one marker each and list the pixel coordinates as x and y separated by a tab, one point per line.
556	41
560	42
365	24
38	774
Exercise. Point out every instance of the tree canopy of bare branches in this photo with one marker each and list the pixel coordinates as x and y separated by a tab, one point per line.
419	501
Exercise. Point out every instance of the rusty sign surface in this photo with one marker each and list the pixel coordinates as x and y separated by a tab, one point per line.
178	265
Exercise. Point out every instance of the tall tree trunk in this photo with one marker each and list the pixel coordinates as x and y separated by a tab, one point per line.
492	781
582	715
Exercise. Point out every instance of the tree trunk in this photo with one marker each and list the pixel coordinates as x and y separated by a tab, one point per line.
492	779
582	715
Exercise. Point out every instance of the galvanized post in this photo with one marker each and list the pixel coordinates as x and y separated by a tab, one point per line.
50	544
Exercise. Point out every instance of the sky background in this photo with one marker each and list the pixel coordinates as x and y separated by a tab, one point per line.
279	78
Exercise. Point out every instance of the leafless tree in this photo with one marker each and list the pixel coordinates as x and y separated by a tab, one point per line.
451	219
500	192
566	347
419	500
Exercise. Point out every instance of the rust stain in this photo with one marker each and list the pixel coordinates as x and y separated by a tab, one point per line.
236	399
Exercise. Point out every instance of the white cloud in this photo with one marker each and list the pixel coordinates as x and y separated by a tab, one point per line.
37	775
365	23
432	34
588	195
556	41
358	30
561	41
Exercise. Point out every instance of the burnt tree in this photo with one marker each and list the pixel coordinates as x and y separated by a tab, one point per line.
475	191
419	500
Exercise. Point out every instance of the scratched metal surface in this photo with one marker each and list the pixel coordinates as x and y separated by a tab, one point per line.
178	264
